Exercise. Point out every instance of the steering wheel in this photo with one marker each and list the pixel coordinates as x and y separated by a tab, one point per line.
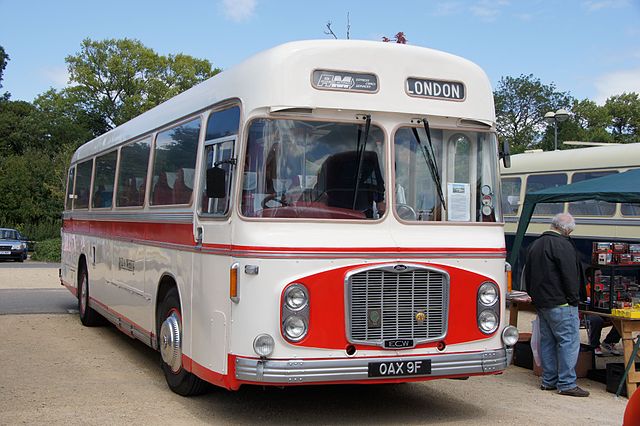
273	197
406	212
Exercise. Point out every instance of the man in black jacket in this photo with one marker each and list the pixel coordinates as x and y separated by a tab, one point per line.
552	276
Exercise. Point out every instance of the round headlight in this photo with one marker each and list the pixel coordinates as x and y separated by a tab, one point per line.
510	335
295	297
488	293
295	328
263	345
488	321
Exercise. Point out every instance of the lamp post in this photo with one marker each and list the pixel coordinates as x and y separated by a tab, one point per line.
554	117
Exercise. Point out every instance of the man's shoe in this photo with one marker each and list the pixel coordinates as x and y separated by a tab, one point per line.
610	348
577	391
545	387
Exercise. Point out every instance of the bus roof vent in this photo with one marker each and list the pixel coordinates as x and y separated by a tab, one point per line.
290	110
465	122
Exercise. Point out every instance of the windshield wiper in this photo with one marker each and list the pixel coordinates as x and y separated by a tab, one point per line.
360	152
430	159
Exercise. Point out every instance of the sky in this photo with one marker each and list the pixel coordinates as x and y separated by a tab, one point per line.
589	48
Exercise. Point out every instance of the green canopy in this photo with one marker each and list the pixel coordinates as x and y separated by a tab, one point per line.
615	188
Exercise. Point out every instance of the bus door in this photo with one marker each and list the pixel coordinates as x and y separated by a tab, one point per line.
212	231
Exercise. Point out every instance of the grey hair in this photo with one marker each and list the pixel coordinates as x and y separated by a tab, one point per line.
564	223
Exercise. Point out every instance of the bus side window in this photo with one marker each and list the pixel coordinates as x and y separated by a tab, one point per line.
104	179
511	195
591	207
132	173
174	161
68	200
539	182
84	172
222	130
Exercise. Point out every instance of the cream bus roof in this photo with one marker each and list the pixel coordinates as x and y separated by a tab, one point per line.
596	157
281	77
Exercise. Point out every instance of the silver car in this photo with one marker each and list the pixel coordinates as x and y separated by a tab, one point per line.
12	245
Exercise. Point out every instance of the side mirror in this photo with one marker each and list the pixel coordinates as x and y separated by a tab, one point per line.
216	187
505	154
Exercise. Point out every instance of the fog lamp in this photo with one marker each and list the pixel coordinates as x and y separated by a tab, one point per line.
510	335
263	345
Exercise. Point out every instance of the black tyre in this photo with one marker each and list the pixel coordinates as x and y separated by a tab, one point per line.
88	316
169	329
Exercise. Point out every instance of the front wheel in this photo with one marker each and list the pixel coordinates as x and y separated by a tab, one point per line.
179	380
88	316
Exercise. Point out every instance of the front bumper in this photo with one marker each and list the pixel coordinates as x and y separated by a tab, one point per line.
298	371
13	254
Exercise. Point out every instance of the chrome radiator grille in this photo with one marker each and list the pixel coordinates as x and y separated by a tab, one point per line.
401	302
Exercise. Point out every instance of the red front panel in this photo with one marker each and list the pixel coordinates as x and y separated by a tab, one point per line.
327	322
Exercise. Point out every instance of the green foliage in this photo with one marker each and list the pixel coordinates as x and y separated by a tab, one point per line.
47	250
20	127
624	111
4	58
40	231
116	80
592	122
521	104
30	191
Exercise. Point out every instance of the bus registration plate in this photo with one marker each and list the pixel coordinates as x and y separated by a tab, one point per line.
414	367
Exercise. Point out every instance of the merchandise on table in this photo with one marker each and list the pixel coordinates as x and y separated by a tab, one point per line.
615	253
613	282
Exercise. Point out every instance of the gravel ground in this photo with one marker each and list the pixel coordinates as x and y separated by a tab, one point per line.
55	371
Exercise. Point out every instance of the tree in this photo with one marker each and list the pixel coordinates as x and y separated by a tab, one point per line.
592	121
624	111
116	80
66	123
20	127
520	107
29	195
4	59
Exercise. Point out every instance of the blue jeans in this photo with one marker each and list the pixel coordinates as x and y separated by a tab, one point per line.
559	345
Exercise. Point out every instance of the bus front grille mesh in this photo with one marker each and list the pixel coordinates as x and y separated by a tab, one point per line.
384	304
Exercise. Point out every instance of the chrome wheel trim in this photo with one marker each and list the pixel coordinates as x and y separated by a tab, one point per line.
171	342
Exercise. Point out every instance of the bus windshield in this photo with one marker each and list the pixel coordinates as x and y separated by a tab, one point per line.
467	164
313	169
